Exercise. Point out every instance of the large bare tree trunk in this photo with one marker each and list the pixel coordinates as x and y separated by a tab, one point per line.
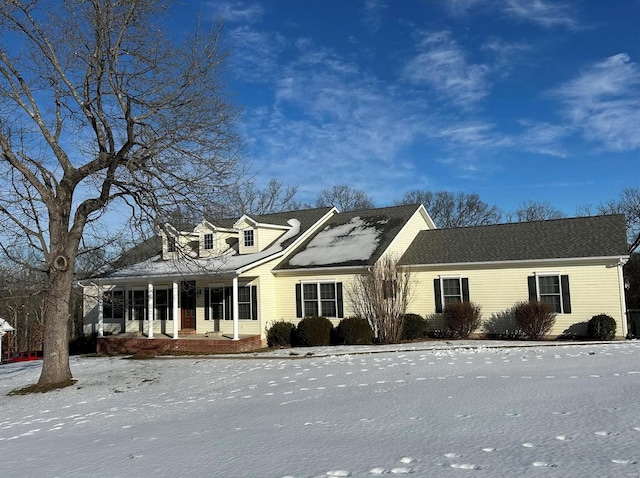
55	367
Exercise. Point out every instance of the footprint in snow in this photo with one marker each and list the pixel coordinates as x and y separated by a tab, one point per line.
465	466
624	462
563	438
605	433
401	470
338	473
452	455
488	449
544	464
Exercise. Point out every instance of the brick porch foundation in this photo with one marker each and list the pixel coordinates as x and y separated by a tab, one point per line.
114	345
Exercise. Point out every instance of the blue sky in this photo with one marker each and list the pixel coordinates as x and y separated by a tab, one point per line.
510	99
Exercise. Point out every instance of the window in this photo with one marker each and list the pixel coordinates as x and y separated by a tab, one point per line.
319	298
450	289
218	303
208	241
171	244
552	289
137	300
248	238
163	304
113	304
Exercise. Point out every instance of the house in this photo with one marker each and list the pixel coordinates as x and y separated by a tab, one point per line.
232	278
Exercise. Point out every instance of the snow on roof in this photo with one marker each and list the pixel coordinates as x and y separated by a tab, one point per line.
230	262
4	326
353	241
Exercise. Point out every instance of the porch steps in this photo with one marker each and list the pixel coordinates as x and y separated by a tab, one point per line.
187	332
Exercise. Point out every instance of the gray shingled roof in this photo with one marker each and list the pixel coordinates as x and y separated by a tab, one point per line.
595	236
384	223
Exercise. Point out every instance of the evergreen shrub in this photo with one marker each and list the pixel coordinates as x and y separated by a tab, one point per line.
313	331
280	333
353	331
601	327
414	327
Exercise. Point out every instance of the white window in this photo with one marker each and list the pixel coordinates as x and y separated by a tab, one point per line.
552	289
248	238
171	244
208	241
321	299
163	304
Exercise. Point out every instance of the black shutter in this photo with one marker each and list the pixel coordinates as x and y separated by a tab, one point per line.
254	302
207	304
299	300
566	298
438	297
465	289
339	299
533	293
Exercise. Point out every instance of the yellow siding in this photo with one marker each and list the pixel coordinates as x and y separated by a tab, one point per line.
594	289
407	234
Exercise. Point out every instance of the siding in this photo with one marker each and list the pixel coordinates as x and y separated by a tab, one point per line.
594	290
407	234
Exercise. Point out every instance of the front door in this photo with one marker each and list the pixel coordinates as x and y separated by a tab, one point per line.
188	305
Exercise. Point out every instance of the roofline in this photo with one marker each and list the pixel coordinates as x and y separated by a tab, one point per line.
320	269
310	230
623	258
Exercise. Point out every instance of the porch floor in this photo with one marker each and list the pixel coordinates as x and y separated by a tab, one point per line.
162	344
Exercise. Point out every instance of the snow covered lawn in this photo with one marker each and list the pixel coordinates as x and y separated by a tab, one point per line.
555	411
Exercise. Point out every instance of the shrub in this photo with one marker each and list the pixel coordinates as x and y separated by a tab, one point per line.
414	327
535	318
83	344
279	334
601	327
354	331
462	318
313	331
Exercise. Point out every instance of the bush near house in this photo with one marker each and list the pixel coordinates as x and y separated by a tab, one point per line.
535	318
414	327
601	327
462	318
280	333
313	331
353	331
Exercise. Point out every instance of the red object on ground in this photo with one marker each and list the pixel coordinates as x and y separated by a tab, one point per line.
25	357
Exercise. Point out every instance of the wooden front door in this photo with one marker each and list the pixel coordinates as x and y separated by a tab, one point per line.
188	305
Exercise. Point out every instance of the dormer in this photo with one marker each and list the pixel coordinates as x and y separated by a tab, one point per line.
176	243
215	240
254	236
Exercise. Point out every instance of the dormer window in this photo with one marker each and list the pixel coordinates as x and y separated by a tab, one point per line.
208	242
248	238
171	244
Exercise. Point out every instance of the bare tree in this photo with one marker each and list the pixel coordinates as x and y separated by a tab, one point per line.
345	198
99	108
247	198
535	211
382	296
448	209
629	205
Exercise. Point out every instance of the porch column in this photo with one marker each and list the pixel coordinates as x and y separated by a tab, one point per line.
176	310
100	312
235	308
150	310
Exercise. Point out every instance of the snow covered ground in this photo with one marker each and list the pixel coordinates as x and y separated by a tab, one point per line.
552	411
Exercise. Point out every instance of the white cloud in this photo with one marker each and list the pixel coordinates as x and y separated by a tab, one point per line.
603	102
441	64
373	14
545	13
237	12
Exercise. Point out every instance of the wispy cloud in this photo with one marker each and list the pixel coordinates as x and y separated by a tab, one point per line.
603	102
544	138
372	13
441	65
236	12
545	13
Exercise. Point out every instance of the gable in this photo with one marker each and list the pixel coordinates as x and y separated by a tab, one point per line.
356	238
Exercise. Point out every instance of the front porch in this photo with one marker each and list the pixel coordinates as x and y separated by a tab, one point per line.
126	344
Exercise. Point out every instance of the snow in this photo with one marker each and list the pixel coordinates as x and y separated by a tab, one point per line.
353	241
441	410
